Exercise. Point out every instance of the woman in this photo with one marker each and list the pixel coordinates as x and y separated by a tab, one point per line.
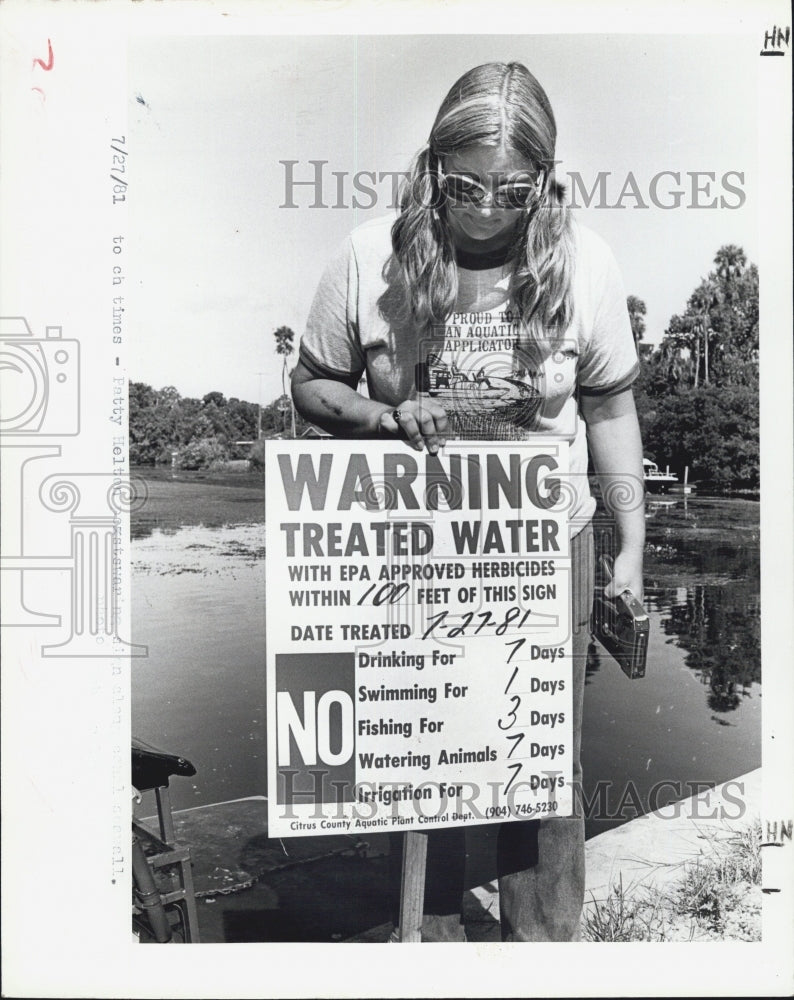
484	312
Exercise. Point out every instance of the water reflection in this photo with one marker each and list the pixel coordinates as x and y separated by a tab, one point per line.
720	630
702	576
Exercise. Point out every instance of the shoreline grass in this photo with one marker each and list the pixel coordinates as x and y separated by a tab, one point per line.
716	897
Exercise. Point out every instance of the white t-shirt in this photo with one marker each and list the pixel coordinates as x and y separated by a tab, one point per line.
495	381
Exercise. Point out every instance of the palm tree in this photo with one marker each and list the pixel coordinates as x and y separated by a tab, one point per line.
730	261
701	302
671	362
637	310
284	341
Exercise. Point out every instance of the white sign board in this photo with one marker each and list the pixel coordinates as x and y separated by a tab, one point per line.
418	635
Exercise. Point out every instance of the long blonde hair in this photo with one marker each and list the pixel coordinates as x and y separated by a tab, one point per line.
496	104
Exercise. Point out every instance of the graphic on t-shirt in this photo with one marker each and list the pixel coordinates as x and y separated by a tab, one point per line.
477	367
480	391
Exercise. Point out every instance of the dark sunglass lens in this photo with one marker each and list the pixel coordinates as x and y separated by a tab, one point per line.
514	196
461	188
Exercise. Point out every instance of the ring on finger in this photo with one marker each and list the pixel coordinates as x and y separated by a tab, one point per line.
396	416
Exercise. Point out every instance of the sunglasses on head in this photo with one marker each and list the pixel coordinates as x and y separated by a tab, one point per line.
462	189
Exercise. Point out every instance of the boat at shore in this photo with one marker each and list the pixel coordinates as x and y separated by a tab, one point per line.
655	479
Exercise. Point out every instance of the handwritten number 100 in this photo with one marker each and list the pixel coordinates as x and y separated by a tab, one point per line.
389	593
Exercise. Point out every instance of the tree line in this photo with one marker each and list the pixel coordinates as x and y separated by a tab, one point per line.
200	432
697	392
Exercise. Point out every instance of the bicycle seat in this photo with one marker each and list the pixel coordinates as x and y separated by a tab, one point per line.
151	768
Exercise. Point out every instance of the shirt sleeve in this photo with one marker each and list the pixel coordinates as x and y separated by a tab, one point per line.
608	363
330	346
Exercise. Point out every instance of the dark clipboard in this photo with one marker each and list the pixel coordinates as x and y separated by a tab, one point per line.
622	626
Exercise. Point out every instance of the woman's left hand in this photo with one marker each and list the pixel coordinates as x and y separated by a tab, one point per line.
626	575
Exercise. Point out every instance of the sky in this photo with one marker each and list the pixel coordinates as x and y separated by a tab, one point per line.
220	261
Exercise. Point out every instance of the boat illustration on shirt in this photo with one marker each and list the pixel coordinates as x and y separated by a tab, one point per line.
478	392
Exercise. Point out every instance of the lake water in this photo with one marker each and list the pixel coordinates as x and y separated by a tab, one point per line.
198	603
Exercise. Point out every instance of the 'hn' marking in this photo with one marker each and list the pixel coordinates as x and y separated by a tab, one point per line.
774	41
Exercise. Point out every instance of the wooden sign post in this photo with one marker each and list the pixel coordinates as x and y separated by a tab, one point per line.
412	886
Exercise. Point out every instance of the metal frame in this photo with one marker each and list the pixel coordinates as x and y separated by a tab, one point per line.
170	854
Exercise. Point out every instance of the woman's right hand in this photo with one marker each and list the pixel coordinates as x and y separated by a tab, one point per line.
419	422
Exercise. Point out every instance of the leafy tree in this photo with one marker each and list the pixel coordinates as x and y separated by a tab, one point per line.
150	423
257	457
697	393
214	398
713	430
241	420
161	422
199	431
201	453
168	397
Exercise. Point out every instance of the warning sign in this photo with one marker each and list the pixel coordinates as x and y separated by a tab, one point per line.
418	635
